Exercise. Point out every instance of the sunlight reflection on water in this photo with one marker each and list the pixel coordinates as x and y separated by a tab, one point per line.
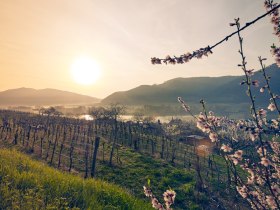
163	119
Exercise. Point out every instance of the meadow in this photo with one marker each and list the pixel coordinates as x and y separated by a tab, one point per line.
29	184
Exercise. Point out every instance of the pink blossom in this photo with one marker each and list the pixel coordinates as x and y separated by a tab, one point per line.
201	116
200	125
184	105
271	107
203	126
260	151
206	129
147	191
276	189
234	160
255	83
155	60
260	181
271	202
262	112
262	89
275	147
275	20
238	154
254	134
267	5
242	191
252	178
211	118
156	204
275	122
276	52
213	137
169	196
226	148
187	57
211	113
265	161
250	72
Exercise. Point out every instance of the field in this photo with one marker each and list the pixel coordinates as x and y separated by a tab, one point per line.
28	184
140	153
135	105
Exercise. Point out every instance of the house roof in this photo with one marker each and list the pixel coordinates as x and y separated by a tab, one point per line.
195	137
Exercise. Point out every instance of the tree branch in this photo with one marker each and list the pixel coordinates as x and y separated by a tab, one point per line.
205	51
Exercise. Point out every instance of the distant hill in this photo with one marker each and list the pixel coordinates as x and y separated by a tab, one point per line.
29	97
226	90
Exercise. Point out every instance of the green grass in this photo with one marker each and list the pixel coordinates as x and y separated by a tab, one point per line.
137	168
28	184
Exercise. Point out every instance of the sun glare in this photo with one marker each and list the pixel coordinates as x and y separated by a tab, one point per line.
85	71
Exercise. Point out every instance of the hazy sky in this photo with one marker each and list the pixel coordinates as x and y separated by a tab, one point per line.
40	39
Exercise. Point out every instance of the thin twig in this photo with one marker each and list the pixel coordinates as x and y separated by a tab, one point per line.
246	25
205	51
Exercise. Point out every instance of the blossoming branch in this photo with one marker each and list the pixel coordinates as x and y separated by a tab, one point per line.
272	10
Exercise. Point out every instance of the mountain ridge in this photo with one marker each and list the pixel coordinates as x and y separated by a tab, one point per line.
224	89
48	96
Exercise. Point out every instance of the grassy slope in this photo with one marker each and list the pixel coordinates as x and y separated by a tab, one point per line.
28	184
137	168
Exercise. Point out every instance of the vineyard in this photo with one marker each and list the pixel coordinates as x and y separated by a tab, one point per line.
68	149
103	147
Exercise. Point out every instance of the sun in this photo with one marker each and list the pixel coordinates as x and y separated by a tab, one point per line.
85	71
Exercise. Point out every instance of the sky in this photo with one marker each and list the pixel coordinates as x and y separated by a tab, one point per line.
41	39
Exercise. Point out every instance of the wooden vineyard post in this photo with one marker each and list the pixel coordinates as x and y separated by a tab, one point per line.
16	138
173	156
115	132
42	141
210	166
129	135
72	147
34	139
185	154
96	145
228	177
55	142
87	148
162	148
23	137
103	151
62	144
200	184
28	136
49	143
41	146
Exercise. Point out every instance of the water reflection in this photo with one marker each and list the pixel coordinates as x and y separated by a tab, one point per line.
163	119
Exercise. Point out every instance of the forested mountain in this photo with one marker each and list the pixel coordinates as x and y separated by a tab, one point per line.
226	90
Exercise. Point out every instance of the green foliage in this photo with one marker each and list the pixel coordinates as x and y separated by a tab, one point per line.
214	90
138	170
27	184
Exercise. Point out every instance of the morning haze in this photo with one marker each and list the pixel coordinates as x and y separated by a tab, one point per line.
40	40
88	122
